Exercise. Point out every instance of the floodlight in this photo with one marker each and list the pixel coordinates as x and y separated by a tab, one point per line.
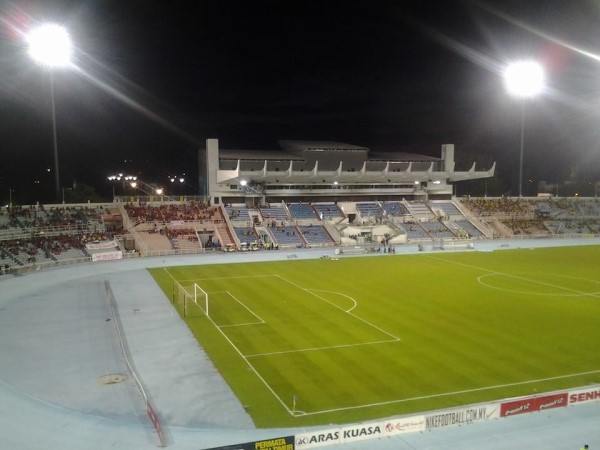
524	78
243	182
50	45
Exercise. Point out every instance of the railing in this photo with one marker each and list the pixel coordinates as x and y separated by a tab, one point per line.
26	233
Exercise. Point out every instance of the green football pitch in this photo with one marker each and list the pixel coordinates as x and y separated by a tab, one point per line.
306	342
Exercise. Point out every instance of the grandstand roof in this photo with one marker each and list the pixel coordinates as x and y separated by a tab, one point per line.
257	155
295	150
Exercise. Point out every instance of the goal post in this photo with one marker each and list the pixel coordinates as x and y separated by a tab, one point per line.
190	299
201	298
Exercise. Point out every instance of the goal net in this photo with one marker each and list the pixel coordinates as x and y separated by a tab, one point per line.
190	299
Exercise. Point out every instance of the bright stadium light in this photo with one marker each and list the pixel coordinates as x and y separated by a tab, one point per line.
125	179
524	79
51	47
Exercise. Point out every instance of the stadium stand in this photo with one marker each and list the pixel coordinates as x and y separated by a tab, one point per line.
394	209
49	235
302	211
328	211
415	231
468	228
437	230
315	235
287	236
246	235
275	212
449	209
238	213
369	210
419	209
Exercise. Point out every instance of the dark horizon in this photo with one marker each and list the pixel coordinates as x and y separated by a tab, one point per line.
156	81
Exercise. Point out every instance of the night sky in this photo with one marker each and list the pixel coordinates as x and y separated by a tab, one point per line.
155	79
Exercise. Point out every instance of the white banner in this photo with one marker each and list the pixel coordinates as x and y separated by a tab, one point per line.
591	394
341	435
102	245
404	425
362	431
107	256
462	416
318	438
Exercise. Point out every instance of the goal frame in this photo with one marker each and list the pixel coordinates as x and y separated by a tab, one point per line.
184	295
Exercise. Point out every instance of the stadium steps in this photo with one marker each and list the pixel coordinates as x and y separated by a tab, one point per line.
224	235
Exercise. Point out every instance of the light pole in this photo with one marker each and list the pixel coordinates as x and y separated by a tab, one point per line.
50	46
523	79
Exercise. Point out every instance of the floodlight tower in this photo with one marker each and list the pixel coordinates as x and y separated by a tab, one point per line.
51	47
523	79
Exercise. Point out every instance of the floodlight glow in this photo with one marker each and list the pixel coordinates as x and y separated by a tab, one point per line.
133	184
243	182
524	78
181	180
159	191
50	45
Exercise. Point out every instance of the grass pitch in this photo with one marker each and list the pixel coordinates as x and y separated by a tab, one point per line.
308	342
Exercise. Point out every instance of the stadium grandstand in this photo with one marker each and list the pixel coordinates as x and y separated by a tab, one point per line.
307	194
325	171
308	199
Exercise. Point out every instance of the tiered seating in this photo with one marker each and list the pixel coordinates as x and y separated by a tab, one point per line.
302	211
469	228
415	231
315	235
394	209
498	205
369	210
275	212
238	213
419	208
245	234
287	236
70	253
449	208
166	213
328	210
182	238
437	229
